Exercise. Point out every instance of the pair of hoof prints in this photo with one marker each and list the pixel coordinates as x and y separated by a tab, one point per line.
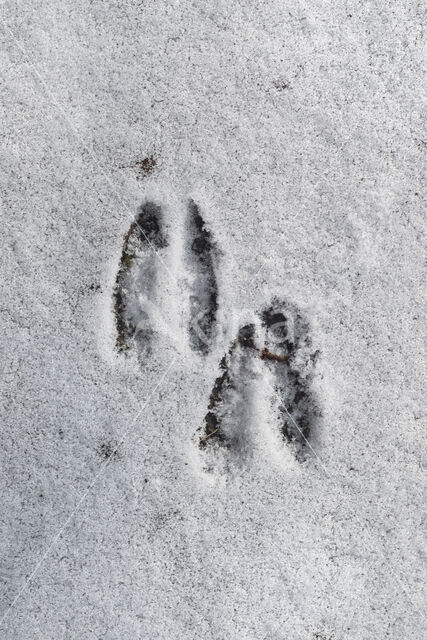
276	346
144	246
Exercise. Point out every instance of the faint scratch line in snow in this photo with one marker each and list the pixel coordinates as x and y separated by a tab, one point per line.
56	102
82	498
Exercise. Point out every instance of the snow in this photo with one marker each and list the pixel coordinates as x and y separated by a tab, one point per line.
297	129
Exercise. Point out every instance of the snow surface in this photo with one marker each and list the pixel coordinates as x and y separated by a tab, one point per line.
297	128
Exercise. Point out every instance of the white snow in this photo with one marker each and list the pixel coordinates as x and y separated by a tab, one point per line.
298	129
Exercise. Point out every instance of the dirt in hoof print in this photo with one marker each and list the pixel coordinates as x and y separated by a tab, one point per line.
289	355
202	258
232	367
137	276
230	405
277	346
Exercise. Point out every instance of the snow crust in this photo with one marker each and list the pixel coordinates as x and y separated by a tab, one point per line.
297	128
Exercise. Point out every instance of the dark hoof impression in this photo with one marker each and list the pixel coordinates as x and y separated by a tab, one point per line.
204	294
137	276
284	347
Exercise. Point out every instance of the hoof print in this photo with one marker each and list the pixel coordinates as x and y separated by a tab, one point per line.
228	401
202	256
137	276
281	340
291	362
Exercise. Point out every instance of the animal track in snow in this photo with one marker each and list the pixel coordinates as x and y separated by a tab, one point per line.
287	333
273	356
281	342
204	293
137	280
231	402
136	277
